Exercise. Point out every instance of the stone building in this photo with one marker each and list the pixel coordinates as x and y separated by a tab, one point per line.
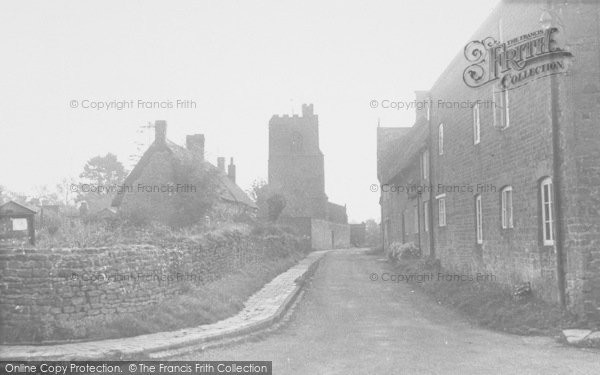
297	172
153	182
500	172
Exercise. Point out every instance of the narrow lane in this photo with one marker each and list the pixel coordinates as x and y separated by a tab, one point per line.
348	324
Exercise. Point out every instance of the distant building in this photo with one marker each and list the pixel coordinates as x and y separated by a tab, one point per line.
296	171
17	223
508	184
160	163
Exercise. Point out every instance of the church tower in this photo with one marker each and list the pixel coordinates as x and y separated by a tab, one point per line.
296	168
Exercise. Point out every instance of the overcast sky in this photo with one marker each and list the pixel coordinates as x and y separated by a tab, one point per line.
240	61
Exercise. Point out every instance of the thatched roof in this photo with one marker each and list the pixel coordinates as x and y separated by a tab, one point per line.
228	190
397	148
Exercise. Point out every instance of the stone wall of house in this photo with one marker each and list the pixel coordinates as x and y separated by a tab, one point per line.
519	156
404	200
46	290
580	110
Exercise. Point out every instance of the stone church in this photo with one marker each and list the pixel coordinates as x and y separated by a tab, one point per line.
296	171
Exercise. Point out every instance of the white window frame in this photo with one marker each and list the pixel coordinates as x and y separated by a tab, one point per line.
416	218
426	216
506	207
425	164
441	139
441	210
501	120
547	200
478	219
476	124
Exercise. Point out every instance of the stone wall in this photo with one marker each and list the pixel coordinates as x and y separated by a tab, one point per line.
323	234
44	290
519	156
328	235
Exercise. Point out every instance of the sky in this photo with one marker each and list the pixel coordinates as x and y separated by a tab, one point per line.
241	62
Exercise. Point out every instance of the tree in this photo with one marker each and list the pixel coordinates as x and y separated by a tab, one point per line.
104	170
260	193
67	195
270	203
275	204
43	196
192	207
373	233
105	173
184	208
7	195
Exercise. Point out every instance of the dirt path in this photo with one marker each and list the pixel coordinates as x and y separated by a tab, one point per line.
348	324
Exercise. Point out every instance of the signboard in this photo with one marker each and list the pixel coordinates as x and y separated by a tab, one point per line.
19	224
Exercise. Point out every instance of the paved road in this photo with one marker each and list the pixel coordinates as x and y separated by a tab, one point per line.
347	324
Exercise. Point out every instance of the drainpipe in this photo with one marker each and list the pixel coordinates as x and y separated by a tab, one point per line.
548	20
558	194
381	225
431	195
419	218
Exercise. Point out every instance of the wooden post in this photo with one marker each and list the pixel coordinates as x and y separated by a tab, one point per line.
31	228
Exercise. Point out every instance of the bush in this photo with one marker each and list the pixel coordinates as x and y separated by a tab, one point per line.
52	222
404	251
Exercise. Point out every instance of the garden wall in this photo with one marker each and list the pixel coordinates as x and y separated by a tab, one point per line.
44	290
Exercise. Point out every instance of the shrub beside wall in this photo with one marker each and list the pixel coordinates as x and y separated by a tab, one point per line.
45	290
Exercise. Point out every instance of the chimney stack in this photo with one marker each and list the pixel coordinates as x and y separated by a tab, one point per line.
231	170
160	131
221	163
307	110
422	105
195	143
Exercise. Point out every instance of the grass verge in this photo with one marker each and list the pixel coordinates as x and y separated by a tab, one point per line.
201	305
491	304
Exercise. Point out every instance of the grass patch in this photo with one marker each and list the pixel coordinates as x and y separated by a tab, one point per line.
375	251
201	305
205	304
491	304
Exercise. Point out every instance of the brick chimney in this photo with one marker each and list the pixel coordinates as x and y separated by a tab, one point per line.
160	131
422	105
195	143
231	170
307	110
221	163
